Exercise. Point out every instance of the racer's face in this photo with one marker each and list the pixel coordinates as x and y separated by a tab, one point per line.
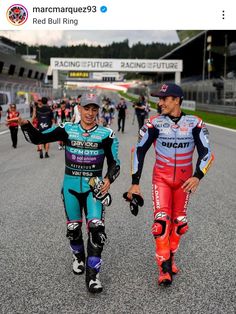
88	115
169	105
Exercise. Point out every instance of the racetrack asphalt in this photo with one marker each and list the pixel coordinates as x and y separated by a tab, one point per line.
35	259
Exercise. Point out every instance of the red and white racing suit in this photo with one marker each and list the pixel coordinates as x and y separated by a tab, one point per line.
174	144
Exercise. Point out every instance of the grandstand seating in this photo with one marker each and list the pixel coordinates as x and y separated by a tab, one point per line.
14	60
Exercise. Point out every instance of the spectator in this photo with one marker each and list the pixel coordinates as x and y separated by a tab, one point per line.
12	123
76	115
43	119
140	107
122	109
0	113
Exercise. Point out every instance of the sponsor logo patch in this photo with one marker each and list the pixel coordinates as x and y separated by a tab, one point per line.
164	88
85	134
175	126
166	125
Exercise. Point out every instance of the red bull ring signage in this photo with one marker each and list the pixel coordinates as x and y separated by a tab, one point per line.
120	65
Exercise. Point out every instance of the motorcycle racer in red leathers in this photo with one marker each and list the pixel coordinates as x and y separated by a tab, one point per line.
174	136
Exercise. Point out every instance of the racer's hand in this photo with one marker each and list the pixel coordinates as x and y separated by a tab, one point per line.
106	186
134	189
190	185
135	199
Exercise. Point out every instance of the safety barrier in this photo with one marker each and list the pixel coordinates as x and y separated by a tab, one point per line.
186	104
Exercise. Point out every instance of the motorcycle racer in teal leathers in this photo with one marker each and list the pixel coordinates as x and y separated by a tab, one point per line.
86	146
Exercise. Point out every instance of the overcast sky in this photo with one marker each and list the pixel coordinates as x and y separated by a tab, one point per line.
67	38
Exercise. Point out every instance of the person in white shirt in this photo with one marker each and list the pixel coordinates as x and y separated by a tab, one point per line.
76	115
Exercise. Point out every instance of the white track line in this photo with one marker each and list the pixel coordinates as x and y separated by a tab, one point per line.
3	132
221	127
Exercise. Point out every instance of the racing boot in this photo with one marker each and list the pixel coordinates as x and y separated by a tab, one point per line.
174	267
165	273
93	282
78	263
77	249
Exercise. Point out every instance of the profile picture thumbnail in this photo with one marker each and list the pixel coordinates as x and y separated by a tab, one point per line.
17	14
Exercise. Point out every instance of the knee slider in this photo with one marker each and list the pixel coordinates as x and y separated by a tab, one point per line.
97	235
74	231
181	225
161	224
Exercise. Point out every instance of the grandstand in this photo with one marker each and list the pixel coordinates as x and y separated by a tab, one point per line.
196	52
209	69
16	75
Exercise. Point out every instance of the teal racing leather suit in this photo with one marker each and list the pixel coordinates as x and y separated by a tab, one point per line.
85	151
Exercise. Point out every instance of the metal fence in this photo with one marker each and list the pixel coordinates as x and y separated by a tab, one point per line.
210	95
211	92
14	87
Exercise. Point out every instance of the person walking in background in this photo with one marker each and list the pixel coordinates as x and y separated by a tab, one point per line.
107	112
175	136
122	109
31	107
140	110
62	115
112	110
43	119
76	114
12	123
0	113
147	109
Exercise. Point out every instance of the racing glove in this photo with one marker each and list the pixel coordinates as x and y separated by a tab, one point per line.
96	185
134	203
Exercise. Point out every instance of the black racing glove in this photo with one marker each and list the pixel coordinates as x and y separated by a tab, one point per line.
96	185
135	202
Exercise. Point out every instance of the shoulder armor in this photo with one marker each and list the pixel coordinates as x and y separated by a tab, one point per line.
154	117
148	123
196	120
106	132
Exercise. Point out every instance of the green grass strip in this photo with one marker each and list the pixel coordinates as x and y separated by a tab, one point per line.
208	117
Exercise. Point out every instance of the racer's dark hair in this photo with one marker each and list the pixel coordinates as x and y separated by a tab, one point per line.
44	100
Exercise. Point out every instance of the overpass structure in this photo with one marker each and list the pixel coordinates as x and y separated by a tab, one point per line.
114	65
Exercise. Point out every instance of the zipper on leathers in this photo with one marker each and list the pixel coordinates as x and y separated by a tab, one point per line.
82	167
175	160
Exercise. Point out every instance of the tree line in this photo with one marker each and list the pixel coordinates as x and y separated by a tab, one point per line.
114	50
